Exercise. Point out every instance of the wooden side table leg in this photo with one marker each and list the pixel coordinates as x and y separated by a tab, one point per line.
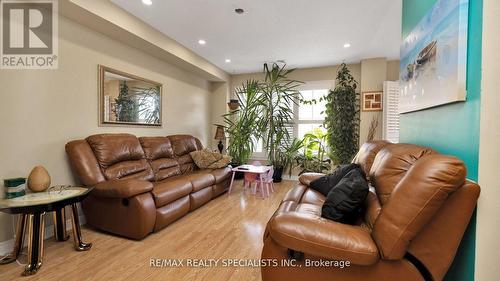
18	246
60	233
77	234
36	235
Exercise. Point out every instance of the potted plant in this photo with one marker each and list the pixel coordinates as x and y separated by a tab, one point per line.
342	118
277	95
285	157
241	124
313	157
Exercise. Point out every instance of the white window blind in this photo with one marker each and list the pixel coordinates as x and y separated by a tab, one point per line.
390	124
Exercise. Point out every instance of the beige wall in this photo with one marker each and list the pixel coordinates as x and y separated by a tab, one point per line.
218	102
107	18
393	70
488	209
305	75
373	74
41	110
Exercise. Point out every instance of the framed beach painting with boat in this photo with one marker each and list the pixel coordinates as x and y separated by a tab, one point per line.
434	58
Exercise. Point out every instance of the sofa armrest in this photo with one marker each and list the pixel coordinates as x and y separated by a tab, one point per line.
324	238
307	178
121	188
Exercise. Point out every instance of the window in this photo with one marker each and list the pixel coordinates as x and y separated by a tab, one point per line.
310	116
259	150
306	117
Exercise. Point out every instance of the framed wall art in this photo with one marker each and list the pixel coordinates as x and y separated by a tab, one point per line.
371	101
434	58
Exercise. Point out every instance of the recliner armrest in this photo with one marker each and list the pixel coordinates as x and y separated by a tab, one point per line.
307	178
324	238
121	188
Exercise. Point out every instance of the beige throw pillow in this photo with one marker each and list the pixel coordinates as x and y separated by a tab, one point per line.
206	159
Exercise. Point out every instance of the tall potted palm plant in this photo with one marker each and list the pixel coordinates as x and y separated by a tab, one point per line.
277	96
241	124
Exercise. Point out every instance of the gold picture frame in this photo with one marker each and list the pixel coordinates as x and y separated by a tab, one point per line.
128	100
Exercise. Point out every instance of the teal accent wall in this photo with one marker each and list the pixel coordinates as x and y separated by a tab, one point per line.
454	128
413	12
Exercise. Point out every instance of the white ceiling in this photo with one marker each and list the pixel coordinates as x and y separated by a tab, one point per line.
304	33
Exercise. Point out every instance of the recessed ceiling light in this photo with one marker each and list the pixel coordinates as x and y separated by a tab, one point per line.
228	60
239	11
147	2
202	42
347	45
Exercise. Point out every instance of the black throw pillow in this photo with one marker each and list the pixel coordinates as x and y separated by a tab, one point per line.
324	184
344	201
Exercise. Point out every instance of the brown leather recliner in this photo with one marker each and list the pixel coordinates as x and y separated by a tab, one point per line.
142	184
415	215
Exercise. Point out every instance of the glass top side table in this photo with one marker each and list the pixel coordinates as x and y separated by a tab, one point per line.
31	209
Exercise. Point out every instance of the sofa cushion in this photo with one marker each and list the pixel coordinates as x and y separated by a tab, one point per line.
157	147
110	149
311	196
137	169
199	198
186	164
221	174
120	156
182	145
295	193
206	159
165	168
219	188
366	154
324	184
372	208
171	189
84	163
199	179
121	188
345	199
391	164
159	152
414	202
307	178
323	238
309	209
171	212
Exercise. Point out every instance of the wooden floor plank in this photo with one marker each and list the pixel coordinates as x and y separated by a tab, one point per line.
228	227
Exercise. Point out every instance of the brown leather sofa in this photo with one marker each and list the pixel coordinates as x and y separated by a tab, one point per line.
415	215
142	184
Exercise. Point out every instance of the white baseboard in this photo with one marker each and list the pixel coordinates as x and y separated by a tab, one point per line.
7	246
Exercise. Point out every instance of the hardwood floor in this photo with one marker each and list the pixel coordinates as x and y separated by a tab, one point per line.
228	227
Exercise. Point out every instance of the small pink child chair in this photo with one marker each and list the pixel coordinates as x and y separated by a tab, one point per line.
250	178
267	183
